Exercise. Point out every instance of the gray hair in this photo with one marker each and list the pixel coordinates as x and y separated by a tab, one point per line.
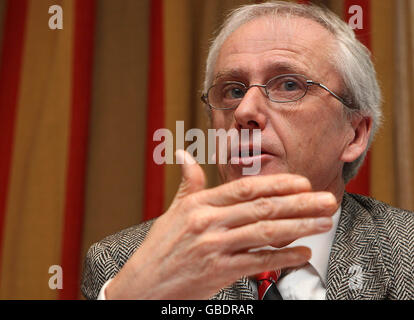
351	59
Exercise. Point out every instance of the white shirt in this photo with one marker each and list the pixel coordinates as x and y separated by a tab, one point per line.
305	283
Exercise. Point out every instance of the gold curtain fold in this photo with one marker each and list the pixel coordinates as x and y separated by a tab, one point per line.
34	214
410	55
383	158
403	101
117	131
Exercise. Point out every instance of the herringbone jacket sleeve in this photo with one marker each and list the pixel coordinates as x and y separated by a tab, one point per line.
106	258
99	267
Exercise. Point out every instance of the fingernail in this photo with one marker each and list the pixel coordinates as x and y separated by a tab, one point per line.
324	223
302	183
327	200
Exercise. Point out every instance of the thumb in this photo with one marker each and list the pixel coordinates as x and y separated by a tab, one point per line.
193	178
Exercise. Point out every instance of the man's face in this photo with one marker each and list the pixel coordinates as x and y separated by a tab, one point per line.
306	137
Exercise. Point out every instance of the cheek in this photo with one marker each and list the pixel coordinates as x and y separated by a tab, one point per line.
222	119
316	136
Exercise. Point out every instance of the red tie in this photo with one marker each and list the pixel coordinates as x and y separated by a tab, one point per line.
267	285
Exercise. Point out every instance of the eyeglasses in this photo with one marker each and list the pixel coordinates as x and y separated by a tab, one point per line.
284	88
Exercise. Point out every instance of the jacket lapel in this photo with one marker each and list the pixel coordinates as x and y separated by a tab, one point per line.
356	268
240	290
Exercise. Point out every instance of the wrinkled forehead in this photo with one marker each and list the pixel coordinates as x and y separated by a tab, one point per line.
306	40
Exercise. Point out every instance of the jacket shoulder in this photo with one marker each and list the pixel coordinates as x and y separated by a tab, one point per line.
105	258
385	215
394	229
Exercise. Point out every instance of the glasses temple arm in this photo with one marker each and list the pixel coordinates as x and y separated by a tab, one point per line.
310	82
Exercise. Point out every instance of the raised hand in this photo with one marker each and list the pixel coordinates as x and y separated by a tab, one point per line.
203	241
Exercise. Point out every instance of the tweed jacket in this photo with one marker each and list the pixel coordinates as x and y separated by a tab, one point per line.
372	256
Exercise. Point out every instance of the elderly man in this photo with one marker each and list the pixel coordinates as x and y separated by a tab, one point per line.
298	74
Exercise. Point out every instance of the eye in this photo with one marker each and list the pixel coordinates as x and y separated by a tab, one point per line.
286	88
290	85
286	84
233	91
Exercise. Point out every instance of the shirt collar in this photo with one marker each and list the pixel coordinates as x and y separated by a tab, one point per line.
321	245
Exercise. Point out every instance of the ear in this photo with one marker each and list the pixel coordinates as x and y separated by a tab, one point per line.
359	132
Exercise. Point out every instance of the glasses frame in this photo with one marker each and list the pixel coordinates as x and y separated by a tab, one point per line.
309	83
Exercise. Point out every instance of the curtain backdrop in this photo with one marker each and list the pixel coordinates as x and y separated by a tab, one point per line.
79	106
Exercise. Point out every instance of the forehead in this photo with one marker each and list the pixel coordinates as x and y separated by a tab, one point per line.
294	42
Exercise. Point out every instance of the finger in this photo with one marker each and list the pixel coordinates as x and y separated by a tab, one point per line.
193	177
250	188
276	233
309	204
250	263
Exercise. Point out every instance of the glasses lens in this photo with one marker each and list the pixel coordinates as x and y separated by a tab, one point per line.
286	88
226	95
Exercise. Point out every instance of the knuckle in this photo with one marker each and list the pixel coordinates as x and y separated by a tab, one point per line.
266	231
302	202
304	225
264	208
267	260
243	189
198	222
208	244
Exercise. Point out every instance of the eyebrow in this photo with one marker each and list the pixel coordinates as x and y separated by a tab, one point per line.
272	70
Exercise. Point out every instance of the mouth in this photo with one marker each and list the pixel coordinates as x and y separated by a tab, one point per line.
246	155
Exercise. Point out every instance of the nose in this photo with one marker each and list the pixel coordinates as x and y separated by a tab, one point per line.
251	112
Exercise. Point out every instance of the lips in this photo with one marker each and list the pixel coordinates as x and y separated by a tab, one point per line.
247	151
247	154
